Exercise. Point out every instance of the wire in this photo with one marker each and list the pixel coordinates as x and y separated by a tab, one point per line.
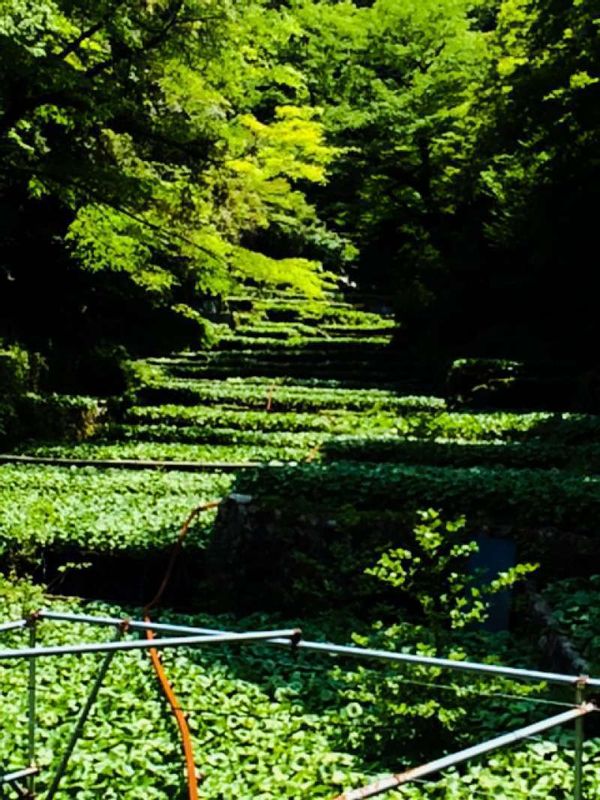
192	775
175	553
180	716
475	693
354	723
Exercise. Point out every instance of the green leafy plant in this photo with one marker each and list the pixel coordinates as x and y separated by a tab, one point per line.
433	570
264	723
86	511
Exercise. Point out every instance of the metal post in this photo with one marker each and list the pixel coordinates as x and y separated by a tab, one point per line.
84	714
31	703
394	781
12	626
579	736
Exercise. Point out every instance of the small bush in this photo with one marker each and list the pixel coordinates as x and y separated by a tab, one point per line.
14	371
472	380
71	418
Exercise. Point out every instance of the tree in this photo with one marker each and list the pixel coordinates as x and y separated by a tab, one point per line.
127	153
467	174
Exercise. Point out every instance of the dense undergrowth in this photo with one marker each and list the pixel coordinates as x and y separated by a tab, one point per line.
265	724
348	456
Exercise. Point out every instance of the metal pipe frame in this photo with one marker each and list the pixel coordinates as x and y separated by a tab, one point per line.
13	626
394	781
82	719
144	644
11	777
190	635
579	738
31	703
340	650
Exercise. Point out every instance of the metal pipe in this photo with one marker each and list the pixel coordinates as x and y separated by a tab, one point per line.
11	777
394	781
579	736
31	702
81	720
133	624
143	644
444	663
12	626
132	463
342	650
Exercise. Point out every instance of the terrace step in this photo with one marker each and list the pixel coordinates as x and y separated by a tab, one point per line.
183	392
334	347
131	463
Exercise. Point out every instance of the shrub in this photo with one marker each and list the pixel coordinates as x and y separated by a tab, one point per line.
461	453
472	380
14	371
68	417
253	393
94	512
524	496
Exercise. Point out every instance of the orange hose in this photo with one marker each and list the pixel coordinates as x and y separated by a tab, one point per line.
314	453
186	739
176	550
190	766
270	391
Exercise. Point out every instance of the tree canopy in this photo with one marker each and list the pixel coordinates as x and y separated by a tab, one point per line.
159	152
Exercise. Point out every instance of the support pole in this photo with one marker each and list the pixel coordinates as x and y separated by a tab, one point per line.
31	704
281	640
394	781
142	644
84	714
12	777
579	736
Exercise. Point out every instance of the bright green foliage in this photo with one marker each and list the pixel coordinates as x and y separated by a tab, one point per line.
194	451
432	577
574	606
128	121
397	81
255	394
14	371
265	724
466	170
179	148
201	433
435	573
98	512
334	420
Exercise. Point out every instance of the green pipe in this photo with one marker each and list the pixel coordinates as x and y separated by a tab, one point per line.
79	725
579	737
31	703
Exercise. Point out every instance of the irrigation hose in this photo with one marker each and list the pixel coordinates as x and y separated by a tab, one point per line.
184	730
271	389
176	551
192	776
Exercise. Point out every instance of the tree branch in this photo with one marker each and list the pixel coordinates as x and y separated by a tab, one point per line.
152	43
83	36
87	34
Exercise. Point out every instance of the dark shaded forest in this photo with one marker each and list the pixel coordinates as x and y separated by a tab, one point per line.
440	155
